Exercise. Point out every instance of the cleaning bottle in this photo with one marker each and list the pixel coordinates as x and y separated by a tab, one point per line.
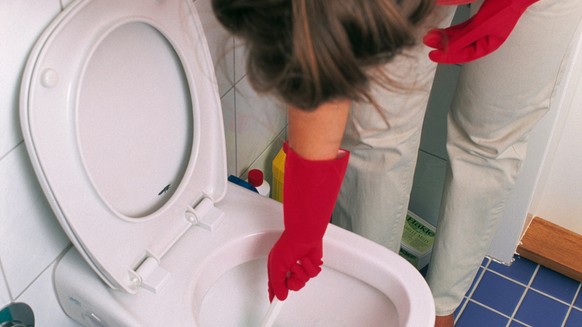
278	168
256	179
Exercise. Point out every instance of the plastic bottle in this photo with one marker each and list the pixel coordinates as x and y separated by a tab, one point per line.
278	175
242	183
256	179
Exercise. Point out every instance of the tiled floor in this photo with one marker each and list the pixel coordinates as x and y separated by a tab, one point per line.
524	294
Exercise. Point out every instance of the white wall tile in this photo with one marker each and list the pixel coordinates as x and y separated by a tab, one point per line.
229	117
30	237
4	295
22	23
265	160
240	67
259	120
41	297
221	46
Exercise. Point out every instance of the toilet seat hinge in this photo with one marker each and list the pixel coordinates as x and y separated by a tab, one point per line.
150	275
205	215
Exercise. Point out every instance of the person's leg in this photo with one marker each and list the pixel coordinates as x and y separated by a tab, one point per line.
384	144
499	100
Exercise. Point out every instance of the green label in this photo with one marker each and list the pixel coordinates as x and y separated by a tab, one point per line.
417	236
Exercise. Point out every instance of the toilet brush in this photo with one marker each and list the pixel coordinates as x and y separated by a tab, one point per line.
272	313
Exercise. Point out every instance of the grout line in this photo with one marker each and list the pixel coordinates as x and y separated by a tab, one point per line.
234	91
49	266
507	278
551	297
2	157
269	147
10	297
231	88
518	321
571	306
578	294
491	309
527	288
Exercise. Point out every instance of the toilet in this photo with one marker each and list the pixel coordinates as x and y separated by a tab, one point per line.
121	117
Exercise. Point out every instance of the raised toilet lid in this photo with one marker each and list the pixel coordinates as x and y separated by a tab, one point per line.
121	117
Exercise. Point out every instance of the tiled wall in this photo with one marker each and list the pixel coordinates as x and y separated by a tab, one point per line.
31	241
254	124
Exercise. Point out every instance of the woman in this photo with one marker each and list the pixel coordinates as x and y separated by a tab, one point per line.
317	56
322	56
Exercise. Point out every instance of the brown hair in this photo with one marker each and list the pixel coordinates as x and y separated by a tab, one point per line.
308	52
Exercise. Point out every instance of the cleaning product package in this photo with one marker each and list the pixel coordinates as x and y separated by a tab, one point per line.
417	240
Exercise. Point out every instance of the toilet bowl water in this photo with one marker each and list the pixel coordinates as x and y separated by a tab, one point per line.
159	237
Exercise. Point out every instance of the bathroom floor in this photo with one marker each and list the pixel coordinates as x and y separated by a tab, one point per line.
524	294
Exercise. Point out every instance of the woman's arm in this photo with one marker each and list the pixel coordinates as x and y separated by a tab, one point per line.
317	134
314	170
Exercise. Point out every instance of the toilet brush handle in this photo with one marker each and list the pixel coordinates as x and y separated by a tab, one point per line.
272	313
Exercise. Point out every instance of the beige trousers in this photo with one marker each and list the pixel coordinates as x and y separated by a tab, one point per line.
384	144
499	99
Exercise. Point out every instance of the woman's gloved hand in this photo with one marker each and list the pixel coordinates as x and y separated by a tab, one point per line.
310	190
480	35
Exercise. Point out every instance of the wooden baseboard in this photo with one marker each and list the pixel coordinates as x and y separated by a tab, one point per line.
554	247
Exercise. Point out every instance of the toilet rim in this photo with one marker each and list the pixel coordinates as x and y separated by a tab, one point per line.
48	107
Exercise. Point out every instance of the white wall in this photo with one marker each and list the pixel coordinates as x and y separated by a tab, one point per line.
558	193
31	241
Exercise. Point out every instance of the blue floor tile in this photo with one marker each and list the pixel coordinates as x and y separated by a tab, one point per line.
521	269
574	319
552	283
490	288
578	302
495	298
540	310
475	315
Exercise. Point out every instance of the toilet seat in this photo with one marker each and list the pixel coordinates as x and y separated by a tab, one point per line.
114	176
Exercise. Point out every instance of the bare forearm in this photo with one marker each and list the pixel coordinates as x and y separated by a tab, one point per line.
317	134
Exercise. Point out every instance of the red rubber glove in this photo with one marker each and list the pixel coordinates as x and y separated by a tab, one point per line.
310	189
480	35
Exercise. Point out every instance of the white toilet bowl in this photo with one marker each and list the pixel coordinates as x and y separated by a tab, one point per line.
121	118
